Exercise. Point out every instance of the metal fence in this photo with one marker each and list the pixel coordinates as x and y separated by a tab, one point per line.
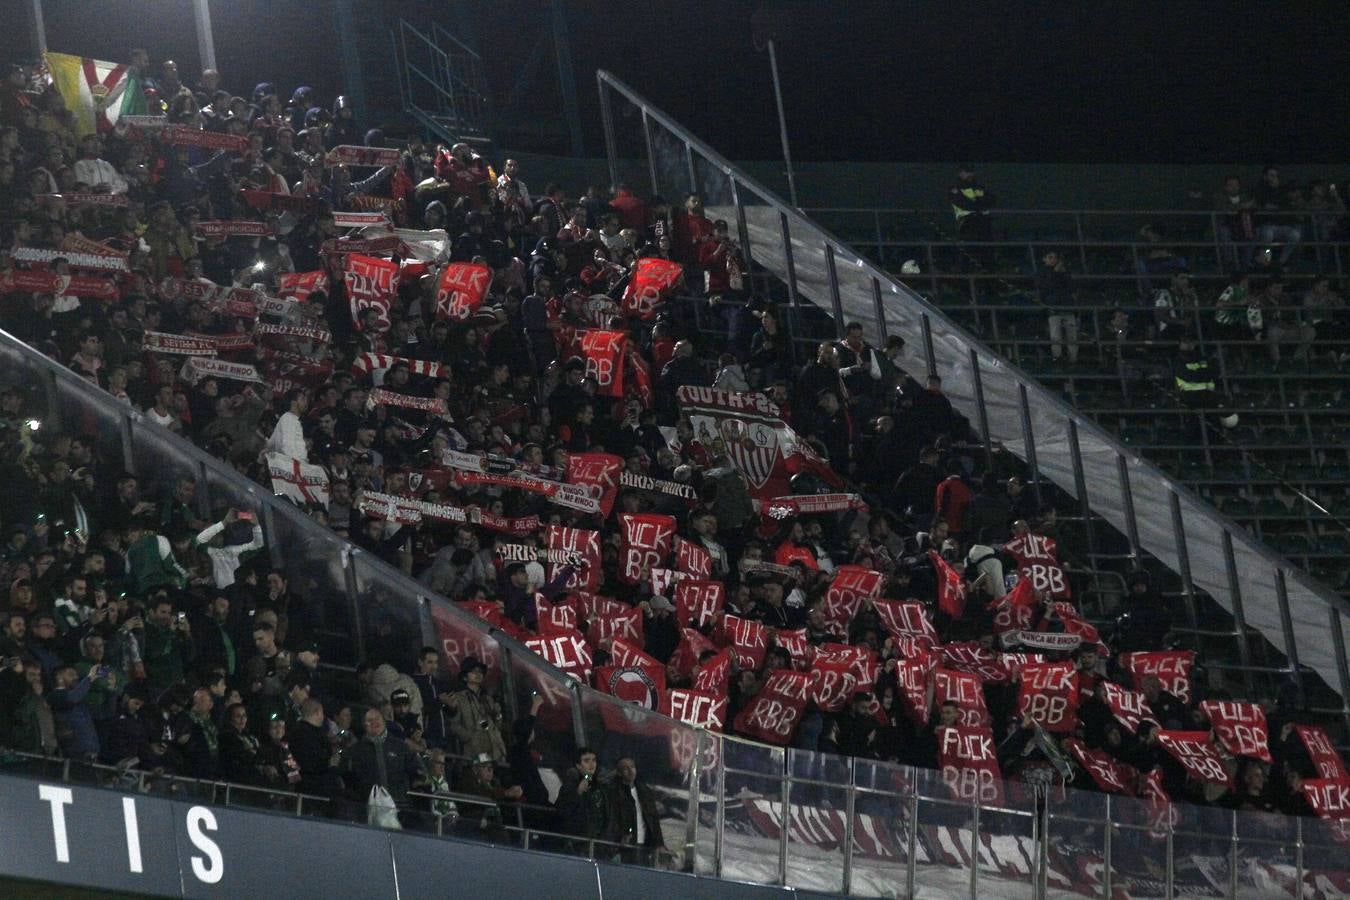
1285	625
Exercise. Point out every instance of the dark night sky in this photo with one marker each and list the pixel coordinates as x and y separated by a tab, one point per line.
915	81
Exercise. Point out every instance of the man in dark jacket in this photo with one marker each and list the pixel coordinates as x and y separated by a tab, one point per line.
633	819
582	806
311	748
379	759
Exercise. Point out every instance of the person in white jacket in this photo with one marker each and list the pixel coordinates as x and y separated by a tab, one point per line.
93	170
288	437
225	557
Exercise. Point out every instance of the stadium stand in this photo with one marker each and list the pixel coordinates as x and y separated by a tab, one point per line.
592	425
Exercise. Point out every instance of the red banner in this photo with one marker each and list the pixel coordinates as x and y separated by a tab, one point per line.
652	282
701	709
1074	624
915	675
599	472
1031	548
850	586
773	714
1240	727
554	618
714	673
639	686
1049	694
626	625
1197	754
796	645
604	353
1322	751
904	617
1015	609
1162	814
965	691
1129	707
833	683
692	559
692	645
1048	578
1172	668
1111	776
372	283
969	763
969	656
582	541
461	290
1330	799
622	653
567	651
301	284
780	508
951	586
749	641
644	543
698	602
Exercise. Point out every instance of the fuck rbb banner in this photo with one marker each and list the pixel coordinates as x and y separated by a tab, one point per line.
951	586
795	642
964	690
692	559
584	542
644	542
702	709
461	289
627	625
652	282
772	716
567	651
1195	752
1330	799
1049	694
714	673
1015	610
698	602
554	618
904	618
748	639
1048	578
915	675
604	353
833	683
848	589
1322	751
599	473
1128	706
969	762
1029	548
1112	776
459	639
1240	728
1171	667
372	283
970	656
624	653
692	645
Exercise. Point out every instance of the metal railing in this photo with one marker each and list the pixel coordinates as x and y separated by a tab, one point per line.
441	81
1269	599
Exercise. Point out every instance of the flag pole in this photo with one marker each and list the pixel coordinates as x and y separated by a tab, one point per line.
39	29
206	44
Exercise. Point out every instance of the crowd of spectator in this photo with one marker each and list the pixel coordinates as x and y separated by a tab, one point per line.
143	631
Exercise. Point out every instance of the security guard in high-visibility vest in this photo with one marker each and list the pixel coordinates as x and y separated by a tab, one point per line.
970	206
1195	380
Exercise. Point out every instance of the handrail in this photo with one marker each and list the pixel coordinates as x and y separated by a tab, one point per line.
972	363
